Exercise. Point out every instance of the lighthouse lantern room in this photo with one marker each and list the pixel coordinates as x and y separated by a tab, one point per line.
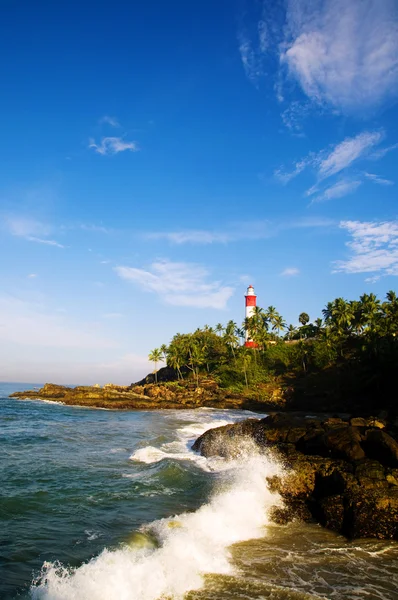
251	302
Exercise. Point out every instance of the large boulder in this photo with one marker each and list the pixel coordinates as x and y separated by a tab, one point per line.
344	473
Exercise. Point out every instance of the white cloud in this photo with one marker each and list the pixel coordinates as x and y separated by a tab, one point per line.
180	284
347	152
373	248
251	59
290	272
32	275
29	229
112	145
114	315
112	121
338	190
343	53
377	154
377	179
331	161
42	241
284	177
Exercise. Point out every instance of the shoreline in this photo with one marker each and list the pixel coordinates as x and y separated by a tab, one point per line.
172	395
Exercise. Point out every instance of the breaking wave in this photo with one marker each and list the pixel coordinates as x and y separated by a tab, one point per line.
169	557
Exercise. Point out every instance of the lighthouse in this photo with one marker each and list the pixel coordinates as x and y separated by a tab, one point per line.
251	301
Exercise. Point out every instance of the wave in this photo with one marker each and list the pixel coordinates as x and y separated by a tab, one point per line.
180	449
180	550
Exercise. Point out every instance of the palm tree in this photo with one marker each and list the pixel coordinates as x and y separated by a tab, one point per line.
230	337
219	328
318	324
291	330
164	350
246	360
196	359
155	356
240	332
279	324
370	310
304	318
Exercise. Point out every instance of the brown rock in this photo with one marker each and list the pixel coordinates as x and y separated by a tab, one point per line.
382	447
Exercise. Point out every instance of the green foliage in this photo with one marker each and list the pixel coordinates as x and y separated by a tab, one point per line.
357	337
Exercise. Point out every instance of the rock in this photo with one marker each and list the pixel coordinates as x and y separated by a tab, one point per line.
295	511
342	472
331	512
382	447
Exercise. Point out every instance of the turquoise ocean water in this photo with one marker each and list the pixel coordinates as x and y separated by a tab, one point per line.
110	505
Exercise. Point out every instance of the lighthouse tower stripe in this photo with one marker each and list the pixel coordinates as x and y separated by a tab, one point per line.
251	300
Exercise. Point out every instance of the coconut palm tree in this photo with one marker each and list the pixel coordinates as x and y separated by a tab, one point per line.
291	330
155	356
231	338
278	324
219	328
163	349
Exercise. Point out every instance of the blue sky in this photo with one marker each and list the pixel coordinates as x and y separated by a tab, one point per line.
159	157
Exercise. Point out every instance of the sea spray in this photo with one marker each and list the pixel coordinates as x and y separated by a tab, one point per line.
190	544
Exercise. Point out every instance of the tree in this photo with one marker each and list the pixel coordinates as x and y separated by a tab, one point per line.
231	338
164	350
304	318
279	324
155	356
291	330
219	328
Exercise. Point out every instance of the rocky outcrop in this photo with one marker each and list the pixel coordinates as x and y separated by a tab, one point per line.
341	472
149	396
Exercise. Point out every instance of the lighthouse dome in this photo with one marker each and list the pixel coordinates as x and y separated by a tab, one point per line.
250	291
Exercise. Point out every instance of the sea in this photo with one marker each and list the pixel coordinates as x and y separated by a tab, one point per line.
114	505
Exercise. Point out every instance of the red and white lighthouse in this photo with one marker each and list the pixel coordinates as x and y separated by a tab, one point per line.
251	302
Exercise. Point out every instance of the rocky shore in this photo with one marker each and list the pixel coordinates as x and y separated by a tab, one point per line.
340	472
146	396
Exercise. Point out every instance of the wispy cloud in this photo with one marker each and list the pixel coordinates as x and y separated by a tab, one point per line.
377	179
347	152
31	238
381	152
32	275
180	284
373	248
112	145
331	161
30	230
338	190
114	315
107	120
234	232
290	272
343	53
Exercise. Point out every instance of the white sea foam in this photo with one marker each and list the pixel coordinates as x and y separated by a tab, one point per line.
191	544
180	449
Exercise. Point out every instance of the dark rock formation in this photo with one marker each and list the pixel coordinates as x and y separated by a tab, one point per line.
341	472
